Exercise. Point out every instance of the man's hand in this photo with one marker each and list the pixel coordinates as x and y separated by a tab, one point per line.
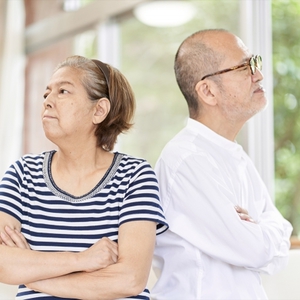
243	214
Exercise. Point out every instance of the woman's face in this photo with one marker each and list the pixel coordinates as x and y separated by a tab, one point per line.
67	112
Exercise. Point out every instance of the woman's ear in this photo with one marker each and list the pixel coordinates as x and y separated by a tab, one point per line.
101	110
207	91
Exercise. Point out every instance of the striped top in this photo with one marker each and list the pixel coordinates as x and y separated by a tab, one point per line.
53	220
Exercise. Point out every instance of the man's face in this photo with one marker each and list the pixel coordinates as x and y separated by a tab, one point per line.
241	93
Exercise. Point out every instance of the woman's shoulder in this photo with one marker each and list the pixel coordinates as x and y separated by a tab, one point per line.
30	161
27	165
128	157
35	158
129	160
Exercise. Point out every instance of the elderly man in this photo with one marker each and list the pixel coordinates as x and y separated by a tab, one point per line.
224	228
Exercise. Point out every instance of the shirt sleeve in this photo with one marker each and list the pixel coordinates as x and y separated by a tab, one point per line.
142	200
10	191
199	206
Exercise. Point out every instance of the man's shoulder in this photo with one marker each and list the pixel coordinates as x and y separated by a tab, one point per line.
184	142
180	148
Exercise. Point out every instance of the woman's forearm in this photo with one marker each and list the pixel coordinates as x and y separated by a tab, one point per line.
128	277
19	266
116	281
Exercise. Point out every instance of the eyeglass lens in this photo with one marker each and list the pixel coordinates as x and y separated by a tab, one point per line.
255	62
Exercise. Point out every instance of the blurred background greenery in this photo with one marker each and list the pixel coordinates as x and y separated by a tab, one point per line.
286	72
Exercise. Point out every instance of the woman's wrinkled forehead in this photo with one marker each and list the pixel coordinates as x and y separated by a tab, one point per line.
67	74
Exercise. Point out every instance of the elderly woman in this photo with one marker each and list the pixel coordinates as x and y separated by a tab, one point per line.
80	221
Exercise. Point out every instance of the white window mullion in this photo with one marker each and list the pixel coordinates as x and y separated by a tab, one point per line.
256	32
108	48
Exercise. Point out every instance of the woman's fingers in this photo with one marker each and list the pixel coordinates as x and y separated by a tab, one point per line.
7	240
22	239
14	238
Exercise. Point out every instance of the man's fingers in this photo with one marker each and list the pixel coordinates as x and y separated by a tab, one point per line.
246	217
241	210
243	214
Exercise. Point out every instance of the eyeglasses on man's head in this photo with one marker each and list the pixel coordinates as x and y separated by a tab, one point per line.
255	62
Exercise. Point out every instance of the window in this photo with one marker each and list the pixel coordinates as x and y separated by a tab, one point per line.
286	63
147	58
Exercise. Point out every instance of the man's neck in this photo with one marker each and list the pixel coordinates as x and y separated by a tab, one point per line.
223	127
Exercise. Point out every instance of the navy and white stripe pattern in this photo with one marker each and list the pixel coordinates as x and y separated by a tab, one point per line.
53	220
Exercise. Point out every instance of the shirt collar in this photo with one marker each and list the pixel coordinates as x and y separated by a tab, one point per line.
215	138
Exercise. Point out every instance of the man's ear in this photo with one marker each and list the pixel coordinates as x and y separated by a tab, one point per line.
206	91
101	110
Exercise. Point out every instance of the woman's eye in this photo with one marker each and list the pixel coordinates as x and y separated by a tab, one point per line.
45	96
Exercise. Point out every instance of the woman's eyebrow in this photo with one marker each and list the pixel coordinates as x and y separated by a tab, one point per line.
60	83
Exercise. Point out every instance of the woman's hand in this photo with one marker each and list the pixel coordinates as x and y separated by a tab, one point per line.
14	238
102	254
127	277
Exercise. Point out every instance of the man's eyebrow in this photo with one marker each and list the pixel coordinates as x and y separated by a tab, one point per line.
246	59
60	83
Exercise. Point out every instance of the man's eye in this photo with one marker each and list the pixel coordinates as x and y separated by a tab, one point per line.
63	91
45	96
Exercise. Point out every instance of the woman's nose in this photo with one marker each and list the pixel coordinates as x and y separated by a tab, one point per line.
48	102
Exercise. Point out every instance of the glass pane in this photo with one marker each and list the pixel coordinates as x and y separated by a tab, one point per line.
71	5
286	62
147	56
84	44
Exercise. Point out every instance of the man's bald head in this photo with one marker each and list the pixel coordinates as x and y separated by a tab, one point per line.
198	55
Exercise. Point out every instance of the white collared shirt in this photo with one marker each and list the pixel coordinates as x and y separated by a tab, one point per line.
208	251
